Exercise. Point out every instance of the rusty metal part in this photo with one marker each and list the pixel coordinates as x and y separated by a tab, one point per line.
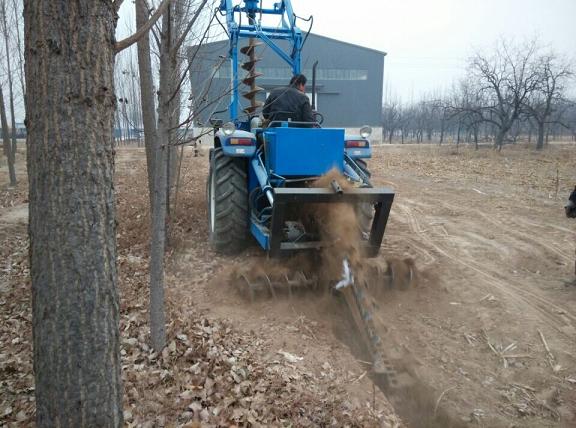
250	64
249	48
251	94
250	78
264	285
251	109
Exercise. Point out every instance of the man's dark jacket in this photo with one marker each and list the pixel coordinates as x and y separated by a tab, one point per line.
288	103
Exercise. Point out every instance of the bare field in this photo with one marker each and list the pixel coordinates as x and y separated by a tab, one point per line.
489	332
489	232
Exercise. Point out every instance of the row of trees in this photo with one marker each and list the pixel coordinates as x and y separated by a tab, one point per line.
515	90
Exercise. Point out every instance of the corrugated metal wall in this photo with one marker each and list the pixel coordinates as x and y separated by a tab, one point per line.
349	83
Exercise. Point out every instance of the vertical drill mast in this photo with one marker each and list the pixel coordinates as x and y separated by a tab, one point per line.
257	35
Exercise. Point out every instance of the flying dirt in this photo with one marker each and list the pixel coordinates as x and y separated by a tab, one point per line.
354	282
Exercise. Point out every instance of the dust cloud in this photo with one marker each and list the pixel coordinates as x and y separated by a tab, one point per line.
339	228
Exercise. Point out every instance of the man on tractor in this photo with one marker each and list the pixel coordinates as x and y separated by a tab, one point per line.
289	102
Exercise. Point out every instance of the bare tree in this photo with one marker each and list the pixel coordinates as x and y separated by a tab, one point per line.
17	27
168	108
7	148
553	73
147	96
5	35
75	307
390	119
465	106
506	79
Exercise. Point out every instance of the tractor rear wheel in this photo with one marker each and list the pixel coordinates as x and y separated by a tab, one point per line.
227	195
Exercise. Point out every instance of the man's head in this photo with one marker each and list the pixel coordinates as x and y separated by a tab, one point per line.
299	82
571	205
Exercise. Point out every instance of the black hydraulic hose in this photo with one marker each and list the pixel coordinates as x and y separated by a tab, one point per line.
314	85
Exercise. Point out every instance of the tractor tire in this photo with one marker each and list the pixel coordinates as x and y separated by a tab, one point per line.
227	197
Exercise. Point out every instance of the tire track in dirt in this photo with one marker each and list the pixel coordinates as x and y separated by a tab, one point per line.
517	293
512	230
511	227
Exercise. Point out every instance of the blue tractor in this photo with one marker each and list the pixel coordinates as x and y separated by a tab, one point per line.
260	177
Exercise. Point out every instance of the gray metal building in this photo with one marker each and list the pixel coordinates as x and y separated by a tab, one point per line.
349	79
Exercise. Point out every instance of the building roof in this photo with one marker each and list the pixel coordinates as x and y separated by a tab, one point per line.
314	35
349	44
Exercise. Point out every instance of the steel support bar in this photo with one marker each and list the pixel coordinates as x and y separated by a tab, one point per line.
320	195
283	197
253	30
277	228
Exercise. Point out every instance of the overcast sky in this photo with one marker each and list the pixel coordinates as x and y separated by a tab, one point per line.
428	41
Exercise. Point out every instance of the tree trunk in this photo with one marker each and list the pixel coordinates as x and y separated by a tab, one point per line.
177	26
9	70
10	155
458	135
17	20
75	306
499	140
540	141
476	138
158	235
147	96
441	133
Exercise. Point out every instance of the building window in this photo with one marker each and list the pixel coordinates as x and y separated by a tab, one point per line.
284	73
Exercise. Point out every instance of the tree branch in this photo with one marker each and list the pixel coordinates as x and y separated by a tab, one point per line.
182	37
129	41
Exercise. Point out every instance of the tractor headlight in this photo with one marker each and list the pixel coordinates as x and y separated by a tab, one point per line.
365	131
228	128
255	122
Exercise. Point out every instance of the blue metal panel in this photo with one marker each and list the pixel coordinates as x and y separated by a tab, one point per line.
304	151
239	151
359	152
260	235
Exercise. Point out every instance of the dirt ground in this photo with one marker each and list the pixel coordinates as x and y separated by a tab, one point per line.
487	334
488	231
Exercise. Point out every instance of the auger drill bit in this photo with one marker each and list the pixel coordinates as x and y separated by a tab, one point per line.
250	78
